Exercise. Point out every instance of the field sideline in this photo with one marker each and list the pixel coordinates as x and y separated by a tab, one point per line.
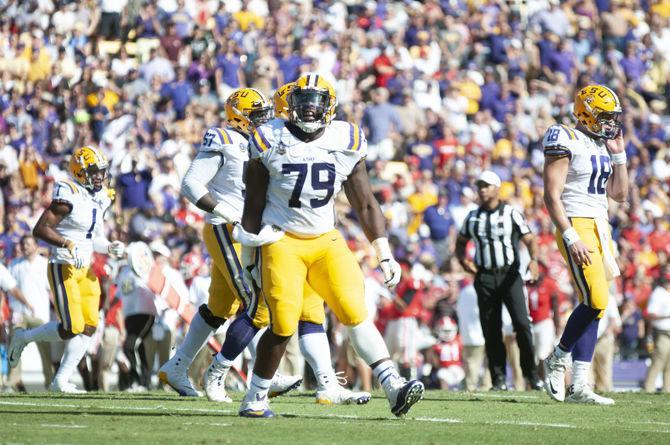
442	417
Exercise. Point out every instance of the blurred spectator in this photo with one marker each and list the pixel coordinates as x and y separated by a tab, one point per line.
474	354
380	122
658	311
632	330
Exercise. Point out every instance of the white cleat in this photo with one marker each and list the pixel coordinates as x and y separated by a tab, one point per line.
339	395
584	394
65	388
256	409
175	374
215	382
281	384
404	396
554	370
16	347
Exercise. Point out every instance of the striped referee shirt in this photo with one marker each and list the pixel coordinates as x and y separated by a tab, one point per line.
496	235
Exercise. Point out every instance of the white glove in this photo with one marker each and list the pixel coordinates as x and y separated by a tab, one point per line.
267	235
250	272
117	249
389	266
79	259
223	211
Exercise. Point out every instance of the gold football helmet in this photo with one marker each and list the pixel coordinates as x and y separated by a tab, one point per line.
85	163
246	109
281	104
311	103
598	109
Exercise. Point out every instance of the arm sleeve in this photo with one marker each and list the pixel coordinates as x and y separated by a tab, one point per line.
202	170
464	227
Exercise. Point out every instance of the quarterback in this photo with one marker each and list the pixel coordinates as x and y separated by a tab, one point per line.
584	166
214	183
73	225
298	166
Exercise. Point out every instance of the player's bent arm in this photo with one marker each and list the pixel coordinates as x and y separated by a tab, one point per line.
467	265
617	186
194	185
51	217
257	178
359	193
555	174
530	241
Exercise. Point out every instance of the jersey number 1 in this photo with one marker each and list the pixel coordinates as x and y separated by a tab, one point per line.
599	174
89	234
317	183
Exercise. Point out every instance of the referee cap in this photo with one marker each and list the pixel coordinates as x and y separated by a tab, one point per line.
489	177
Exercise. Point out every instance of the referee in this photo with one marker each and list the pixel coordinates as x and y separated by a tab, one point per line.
496	227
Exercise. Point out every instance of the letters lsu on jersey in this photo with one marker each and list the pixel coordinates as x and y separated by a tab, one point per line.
585	191
84	222
227	185
305	176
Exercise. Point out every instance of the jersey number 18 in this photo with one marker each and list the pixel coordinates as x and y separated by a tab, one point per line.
601	170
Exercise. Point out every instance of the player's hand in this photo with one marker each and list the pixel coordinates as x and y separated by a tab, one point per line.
392	272
223	211
117	249
534	272
250	273
79	259
617	144
469	267
580	253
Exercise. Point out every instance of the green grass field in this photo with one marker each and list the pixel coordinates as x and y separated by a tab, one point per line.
442	417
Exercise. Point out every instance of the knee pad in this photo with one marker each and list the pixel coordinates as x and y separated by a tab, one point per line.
211	319
89	330
368	342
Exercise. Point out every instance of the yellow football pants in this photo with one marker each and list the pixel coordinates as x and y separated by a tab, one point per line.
328	267
590	280
76	296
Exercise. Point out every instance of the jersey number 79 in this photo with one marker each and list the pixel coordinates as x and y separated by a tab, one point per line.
317	183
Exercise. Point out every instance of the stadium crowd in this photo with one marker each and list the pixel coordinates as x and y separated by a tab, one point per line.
443	90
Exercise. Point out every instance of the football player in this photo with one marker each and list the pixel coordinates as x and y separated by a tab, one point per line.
584	166
214	183
299	165
73	225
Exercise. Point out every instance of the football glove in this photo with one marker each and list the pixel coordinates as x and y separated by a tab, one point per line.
388	265
250	272
79	259
267	235
223	211
116	249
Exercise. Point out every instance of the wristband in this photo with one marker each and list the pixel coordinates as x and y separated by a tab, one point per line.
618	158
570	236
382	248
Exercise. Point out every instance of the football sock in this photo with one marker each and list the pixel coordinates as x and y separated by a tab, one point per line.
198	333
577	324
586	345
387	375
75	349
580	372
368	342
316	350
239	335
46	332
258	388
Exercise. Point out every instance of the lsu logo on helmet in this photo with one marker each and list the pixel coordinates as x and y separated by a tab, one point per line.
84	162
280	100
311	103
246	109
598	109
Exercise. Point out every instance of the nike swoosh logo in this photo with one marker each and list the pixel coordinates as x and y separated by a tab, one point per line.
551	387
260	398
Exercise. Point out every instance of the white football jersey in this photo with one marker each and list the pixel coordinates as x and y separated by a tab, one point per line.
227	185
305	176
585	191
84	222
136	296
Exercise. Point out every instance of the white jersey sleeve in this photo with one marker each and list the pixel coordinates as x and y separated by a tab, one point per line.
65	191
558	141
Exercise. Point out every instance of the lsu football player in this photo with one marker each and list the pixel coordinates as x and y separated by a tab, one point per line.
214	183
299	165
584	166
73	225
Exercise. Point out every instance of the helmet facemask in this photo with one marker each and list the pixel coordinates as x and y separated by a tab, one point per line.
260	116
94	176
608	124
308	108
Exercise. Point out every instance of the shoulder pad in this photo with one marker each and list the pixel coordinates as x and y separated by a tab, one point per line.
263	136
559	140
217	139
